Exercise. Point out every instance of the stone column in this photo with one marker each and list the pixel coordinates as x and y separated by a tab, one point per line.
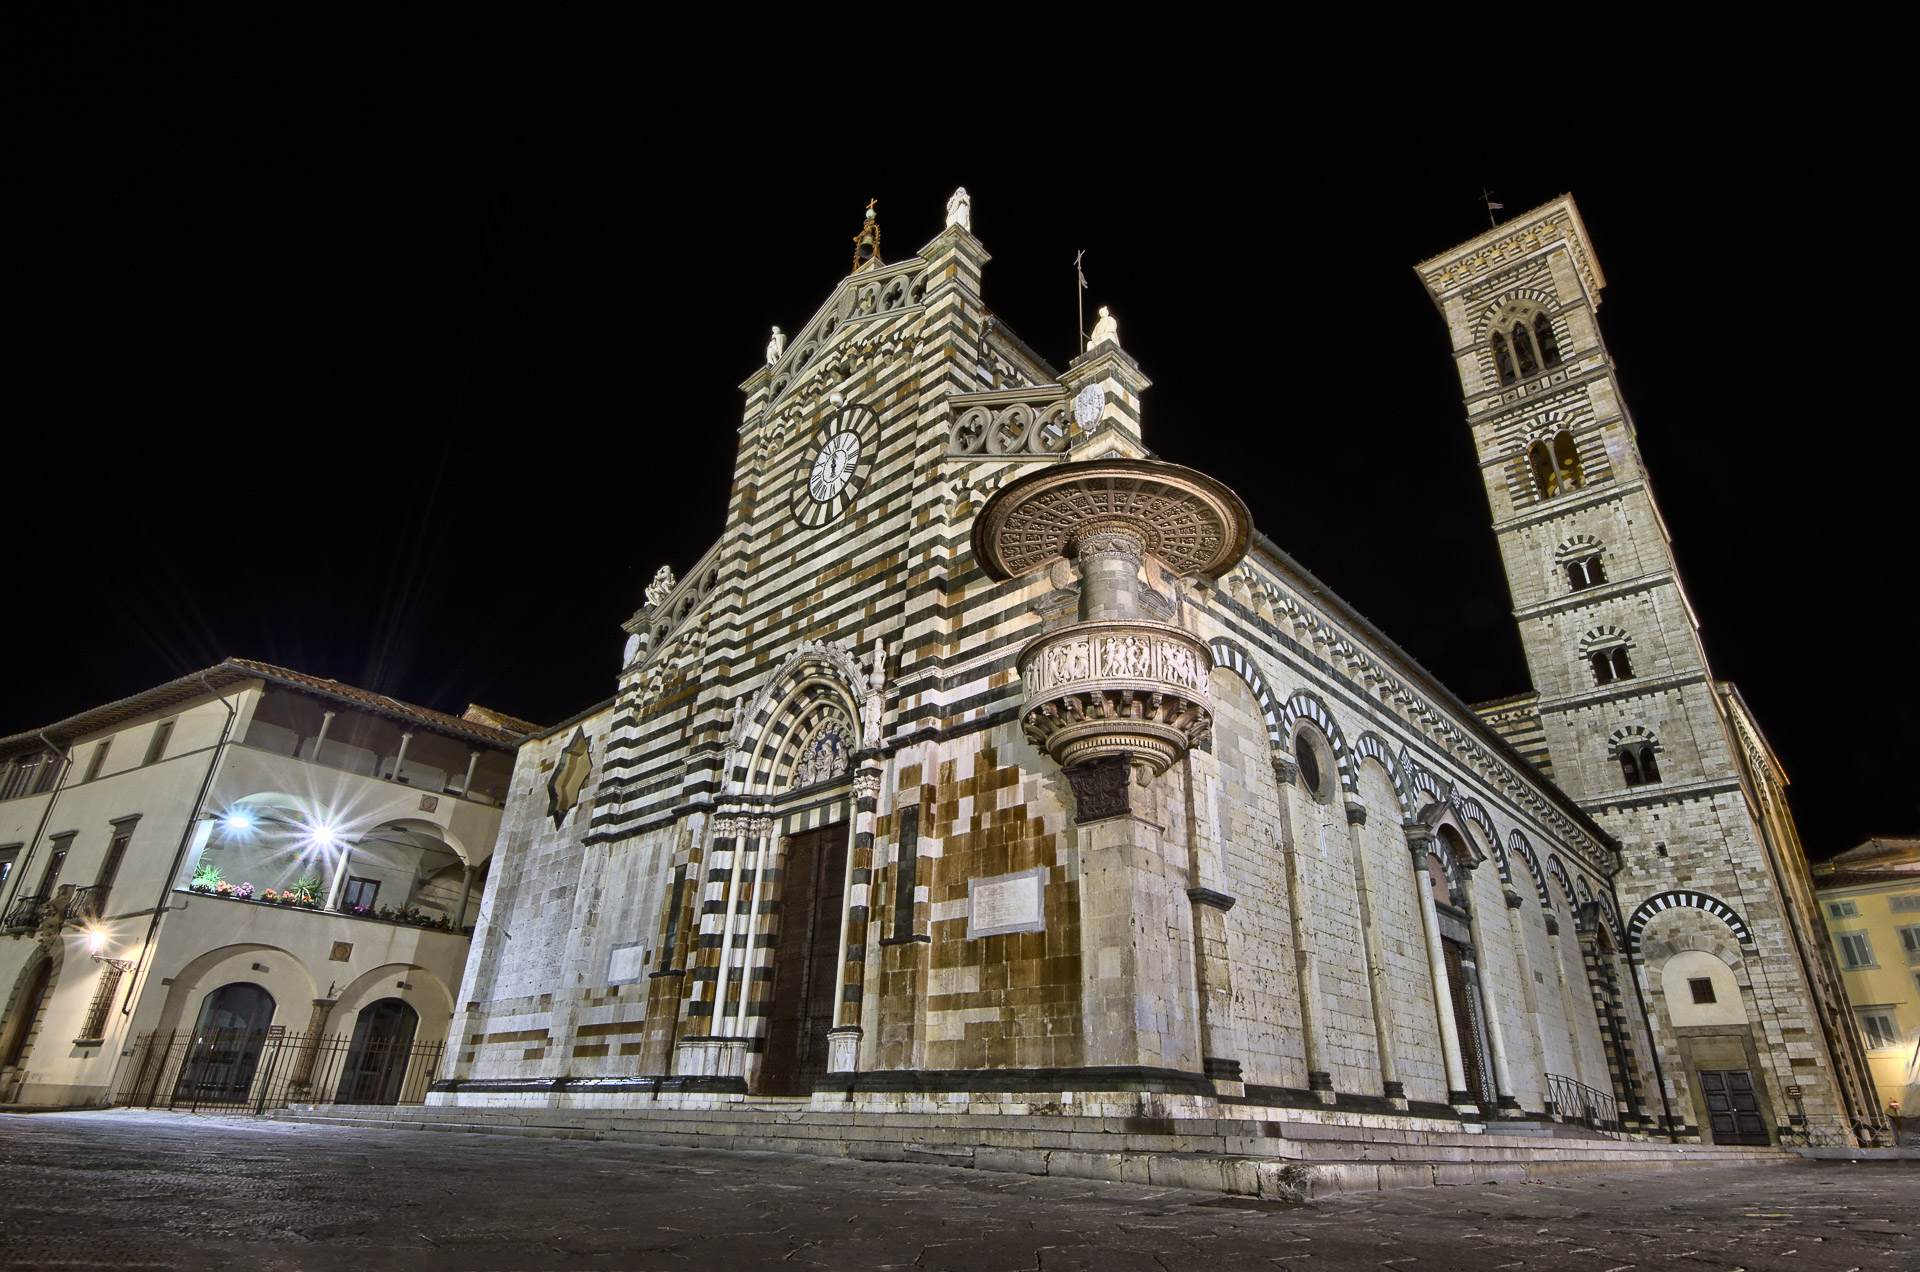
1420	842
1529	999
1212	961
1490	1014
1134	994
1306	961
1378	990
310	1046
1111	554
843	1039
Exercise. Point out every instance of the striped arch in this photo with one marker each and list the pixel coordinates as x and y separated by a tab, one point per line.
1368	746
1424	781
1304	705
1469	809
1605	903
1518	846
1580	545
809	693
1233	656
1631	733
1687	899
1558	870
1499	307
1605	636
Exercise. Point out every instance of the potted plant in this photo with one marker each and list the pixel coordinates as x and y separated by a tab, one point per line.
270	897
205	879
304	890
223	889
243	892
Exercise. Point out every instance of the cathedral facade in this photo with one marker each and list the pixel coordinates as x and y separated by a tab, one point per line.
987	761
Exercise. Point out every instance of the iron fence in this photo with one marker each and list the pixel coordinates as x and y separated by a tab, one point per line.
251	1071
1581	1105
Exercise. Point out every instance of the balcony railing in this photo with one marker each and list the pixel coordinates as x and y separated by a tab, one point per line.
25	913
88	903
1581	1105
397	917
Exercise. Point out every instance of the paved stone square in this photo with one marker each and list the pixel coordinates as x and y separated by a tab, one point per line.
132	1190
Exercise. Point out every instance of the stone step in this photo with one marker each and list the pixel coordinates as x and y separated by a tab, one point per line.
1293	1160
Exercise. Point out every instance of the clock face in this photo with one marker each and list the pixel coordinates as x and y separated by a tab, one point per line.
834	469
834	466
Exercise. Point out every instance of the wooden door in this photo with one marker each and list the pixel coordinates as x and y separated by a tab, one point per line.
1733	1110
1474	1055
806	972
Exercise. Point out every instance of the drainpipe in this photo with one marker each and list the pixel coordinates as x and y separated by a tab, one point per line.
180	853
46	815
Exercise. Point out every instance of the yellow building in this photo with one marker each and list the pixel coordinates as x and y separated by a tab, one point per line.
1870	896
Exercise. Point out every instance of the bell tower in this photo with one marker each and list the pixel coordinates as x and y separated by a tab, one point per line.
1625	713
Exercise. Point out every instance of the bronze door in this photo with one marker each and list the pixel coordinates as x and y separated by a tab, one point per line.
806	975
1733	1110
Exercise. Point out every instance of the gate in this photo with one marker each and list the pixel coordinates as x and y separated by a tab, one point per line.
251	1071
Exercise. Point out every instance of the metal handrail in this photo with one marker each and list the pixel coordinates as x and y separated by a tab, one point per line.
1575	1102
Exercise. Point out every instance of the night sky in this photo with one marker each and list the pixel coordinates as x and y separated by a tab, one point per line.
410	366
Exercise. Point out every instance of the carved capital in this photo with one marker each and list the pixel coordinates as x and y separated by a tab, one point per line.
1101	789
866	784
1356	813
1207	896
1284	769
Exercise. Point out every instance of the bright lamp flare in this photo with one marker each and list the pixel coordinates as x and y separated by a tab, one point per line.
96	941
324	836
238	821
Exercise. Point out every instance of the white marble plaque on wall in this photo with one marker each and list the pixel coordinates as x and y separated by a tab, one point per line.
1007	903
626	964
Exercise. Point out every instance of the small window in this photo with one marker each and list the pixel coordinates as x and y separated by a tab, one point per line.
99	757
1610	665
50	877
1437	880
1855	949
1637	764
1879	1029
1585	573
1910	943
1904	903
1523	353
1316	763
1503	358
1702	987
1309	763
1524	348
8	855
359	894
116	852
157	749
1842	909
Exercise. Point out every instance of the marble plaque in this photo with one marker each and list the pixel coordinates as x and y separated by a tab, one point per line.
628	963
1007	903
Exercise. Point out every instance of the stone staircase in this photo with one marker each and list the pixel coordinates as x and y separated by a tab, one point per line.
1292	1159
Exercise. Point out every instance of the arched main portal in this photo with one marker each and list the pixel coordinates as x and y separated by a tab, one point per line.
375	1070
16	1040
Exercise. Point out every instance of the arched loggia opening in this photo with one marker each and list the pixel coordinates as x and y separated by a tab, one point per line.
375	1070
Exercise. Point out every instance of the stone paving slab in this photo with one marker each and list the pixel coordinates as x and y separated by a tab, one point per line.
136	1190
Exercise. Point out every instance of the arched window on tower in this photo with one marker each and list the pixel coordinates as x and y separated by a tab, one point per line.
1503	359
1546	481
1567	460
1523	349
1637	763
1610	665
1526	347
1543	336
1585	573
